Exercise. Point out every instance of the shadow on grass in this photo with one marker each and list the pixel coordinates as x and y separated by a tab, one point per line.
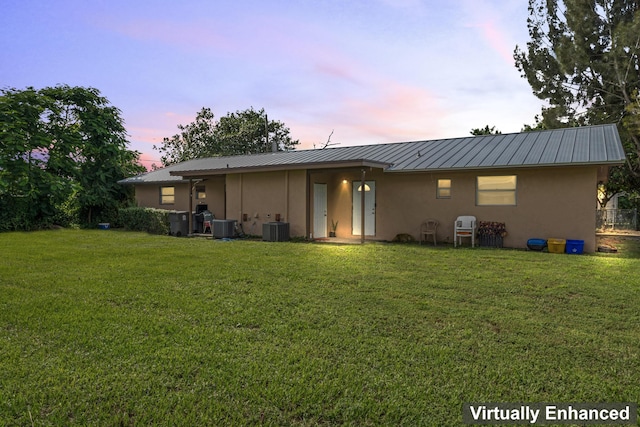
627	246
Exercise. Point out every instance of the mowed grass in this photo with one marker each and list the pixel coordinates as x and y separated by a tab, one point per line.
116	328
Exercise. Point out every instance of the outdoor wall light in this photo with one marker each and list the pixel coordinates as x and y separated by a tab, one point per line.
344	181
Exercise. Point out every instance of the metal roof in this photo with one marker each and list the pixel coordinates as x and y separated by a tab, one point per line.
160	176
589	145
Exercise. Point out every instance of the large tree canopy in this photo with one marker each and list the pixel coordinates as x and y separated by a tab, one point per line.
242	132
62	151
583	59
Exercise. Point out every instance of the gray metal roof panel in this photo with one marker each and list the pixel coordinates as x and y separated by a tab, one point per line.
442	151
550	153
539	141
587	145
489	157
510	150
480	147
596	150
581	147
565	150
455	153
404	153
413	153
545	148
160	176
613	145
523	150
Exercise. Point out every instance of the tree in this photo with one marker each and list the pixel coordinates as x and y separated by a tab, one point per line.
242	132
63	150
537	127
583	59
485	131
195	140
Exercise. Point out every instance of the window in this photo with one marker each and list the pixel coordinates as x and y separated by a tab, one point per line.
496	190
201	192
167	195
444	189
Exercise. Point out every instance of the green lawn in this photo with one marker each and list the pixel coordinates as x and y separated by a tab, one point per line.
116	328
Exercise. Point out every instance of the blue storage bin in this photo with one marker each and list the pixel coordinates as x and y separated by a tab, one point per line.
575	246
536	244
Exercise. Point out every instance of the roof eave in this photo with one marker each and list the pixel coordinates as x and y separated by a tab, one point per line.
526	166
176	180
281	167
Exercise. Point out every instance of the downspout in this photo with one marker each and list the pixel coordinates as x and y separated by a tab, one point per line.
286	196
241	205
190	207
308	203
362	196
224	200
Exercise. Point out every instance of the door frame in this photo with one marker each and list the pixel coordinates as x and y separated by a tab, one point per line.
370	206
320	218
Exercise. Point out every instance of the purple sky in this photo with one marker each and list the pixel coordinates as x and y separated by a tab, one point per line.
371	71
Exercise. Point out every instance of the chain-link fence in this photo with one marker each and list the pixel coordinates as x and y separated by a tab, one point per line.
617	219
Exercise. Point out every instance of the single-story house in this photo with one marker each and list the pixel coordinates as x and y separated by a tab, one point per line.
540	184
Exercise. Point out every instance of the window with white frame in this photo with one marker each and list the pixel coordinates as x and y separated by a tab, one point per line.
167	195
496	190
443	190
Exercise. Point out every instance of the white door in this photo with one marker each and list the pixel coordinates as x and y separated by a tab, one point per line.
369	208
319	210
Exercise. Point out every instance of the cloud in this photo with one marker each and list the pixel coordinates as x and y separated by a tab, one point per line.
394	112
247	37
497	39
305	75
409	5
336	70
187	35
487	19
150	129
385	110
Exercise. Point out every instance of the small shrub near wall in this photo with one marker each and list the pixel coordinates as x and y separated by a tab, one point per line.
154	221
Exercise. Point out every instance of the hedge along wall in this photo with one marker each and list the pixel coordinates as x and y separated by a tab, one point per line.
154	221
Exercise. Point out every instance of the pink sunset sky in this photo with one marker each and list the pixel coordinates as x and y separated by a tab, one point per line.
371	71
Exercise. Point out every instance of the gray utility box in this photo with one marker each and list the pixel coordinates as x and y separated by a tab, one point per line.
275	231
179	223
223	228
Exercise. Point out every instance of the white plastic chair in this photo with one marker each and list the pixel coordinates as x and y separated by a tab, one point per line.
465	226
428	228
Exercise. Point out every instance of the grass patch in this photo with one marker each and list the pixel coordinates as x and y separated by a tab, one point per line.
115	328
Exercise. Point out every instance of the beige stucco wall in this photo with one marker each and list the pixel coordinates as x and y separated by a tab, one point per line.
555	202
148	195
215	200
256	198
298	197
551	203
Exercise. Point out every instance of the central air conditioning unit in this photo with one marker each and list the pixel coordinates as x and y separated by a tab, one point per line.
223	228
275	231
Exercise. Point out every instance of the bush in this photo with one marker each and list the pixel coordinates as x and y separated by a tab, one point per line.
66	213
154	221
